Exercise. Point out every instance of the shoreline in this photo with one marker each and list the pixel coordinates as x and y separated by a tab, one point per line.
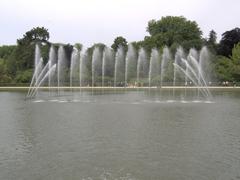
106	87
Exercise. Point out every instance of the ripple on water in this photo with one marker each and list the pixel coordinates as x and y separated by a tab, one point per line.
209	102
119	175
38	101
120	102
170	101
62	101
53	100
196	101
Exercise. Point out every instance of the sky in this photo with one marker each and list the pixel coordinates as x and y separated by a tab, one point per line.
93	21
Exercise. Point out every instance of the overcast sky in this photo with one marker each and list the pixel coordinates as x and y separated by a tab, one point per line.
92	21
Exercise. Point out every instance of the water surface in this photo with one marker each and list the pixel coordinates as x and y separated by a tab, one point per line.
120	135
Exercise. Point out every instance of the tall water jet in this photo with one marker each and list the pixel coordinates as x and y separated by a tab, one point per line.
130	64
34	78
61	67
52	60
153	66
119	66
177	60
84	72
179	68
103	66
96	64
81	67
166	56
43	79
193	54
40	76
42	73
37	59
204	66
142	65
74	65
38	65
192	78
107	64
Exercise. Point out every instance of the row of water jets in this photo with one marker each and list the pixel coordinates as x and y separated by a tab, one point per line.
127	69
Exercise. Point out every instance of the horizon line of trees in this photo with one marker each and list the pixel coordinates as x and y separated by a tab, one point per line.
16	61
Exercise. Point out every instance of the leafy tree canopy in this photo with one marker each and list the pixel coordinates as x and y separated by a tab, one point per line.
38	34
78	46
119	41
229	39
6	51
173	29
211	41
24	53
212	37
236	54
229	68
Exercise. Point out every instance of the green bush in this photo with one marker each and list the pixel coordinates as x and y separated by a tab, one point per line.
24	76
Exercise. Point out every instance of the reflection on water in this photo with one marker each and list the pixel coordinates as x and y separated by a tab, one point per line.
120	135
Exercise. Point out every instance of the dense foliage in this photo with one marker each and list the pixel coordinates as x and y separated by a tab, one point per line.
229	39
228	68
172	30
16	61
119	41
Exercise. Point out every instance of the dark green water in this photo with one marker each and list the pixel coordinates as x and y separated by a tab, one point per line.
120	135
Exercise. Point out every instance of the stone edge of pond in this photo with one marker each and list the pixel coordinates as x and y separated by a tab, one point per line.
9	88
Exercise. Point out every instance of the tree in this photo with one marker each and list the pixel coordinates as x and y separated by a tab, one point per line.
119	41
223	68
228	68
212	37
236	54
211	41
4	78
229	39
236	62
38	34
6	51
174	29
24	53
79	46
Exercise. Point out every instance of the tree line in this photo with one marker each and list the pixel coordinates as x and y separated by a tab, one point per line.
17	61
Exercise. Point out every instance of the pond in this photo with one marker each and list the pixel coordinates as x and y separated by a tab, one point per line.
120	135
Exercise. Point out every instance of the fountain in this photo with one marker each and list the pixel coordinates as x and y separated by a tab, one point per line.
74	66
153	66
142	65
166	57
130	64
121	69
52	60
61	68
177	60
43	79
82	67
36	61
107	64
96	63
103	66
38	68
